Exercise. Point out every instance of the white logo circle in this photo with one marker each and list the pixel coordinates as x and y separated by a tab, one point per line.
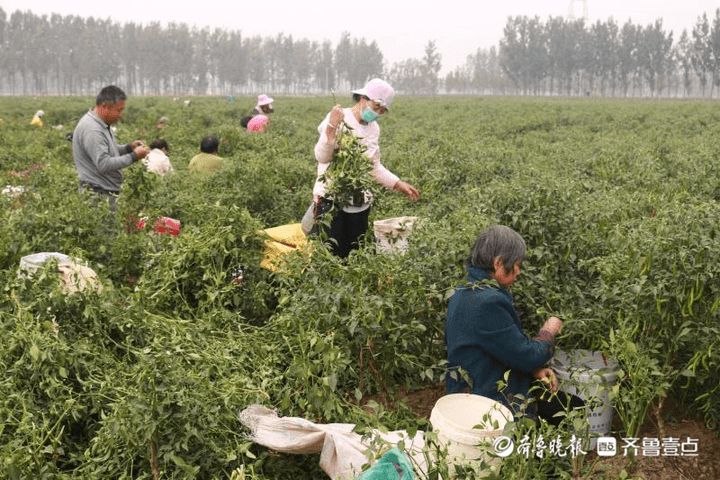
503	446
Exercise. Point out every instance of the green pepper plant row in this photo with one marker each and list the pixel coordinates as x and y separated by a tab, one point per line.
617	201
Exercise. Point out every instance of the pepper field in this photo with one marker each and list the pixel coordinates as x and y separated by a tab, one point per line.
144	377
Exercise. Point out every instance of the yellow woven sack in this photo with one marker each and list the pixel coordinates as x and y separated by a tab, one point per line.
283	240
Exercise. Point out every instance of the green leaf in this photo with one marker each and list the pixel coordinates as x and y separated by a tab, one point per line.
34	352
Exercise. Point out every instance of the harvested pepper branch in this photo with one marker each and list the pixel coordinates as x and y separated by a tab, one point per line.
348	177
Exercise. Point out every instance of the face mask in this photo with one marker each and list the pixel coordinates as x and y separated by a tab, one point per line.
369	115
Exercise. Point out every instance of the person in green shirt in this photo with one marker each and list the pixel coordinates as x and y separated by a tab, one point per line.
207	161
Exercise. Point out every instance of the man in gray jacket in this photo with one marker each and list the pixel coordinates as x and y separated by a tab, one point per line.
99	159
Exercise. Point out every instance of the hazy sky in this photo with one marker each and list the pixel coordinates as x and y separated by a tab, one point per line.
401	28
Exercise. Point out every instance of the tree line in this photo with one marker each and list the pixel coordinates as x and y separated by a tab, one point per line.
568	58
71	55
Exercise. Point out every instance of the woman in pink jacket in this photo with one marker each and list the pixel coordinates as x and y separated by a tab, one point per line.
351	221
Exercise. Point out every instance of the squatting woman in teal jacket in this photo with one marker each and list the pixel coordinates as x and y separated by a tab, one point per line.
484	335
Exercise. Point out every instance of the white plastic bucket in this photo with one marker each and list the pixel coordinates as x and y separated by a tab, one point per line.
11	191
73	275
590	376
31	263
454	417
391	234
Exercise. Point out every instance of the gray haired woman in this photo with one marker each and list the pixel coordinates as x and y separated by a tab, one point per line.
484	335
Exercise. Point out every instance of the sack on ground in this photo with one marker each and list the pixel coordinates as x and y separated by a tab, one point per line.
391	234
283	240
342	451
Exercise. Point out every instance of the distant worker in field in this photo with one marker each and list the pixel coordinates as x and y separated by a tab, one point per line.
99	159
351	221
484	334
264	105
258	123
207	161
37	120
157	159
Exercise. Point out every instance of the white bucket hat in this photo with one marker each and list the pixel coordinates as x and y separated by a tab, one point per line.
379	91
264	100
